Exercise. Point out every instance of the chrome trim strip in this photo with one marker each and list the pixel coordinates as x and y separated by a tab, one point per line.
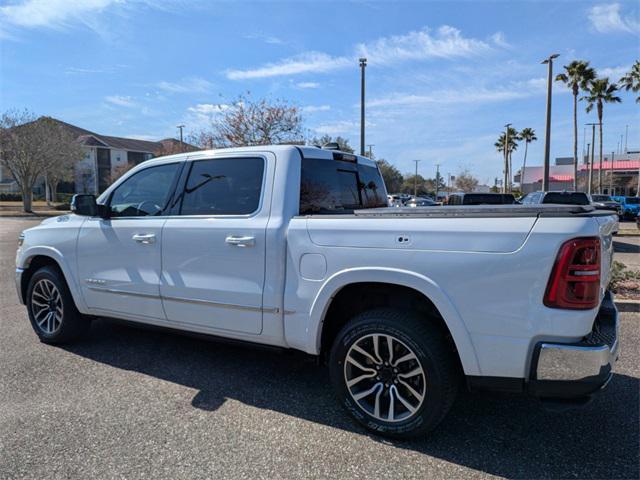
192	300
123	292
216	304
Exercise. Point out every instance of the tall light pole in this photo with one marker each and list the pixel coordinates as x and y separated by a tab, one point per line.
363	65
547	136
593	153
611	176
506	158
180	127
626	136
415	180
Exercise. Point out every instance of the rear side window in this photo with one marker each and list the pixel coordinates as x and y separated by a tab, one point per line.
568	198
488	199
223	186
334	187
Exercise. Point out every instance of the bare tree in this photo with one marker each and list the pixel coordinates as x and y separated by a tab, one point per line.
62	154
253	122
466	182
22	148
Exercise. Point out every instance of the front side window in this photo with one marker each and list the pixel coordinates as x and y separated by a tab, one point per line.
145	193
223	186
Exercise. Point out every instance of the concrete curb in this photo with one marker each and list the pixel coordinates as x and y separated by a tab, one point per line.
632	306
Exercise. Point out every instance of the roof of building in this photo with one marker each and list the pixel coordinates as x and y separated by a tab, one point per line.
92	139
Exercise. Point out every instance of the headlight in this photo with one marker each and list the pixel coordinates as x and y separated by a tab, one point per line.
20	239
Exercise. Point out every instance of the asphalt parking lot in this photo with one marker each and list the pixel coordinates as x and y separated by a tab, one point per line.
131	403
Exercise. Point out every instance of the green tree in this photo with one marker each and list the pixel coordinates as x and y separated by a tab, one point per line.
391	175
410	180
577	76
528	135
514	136
343	143
600	92
631	80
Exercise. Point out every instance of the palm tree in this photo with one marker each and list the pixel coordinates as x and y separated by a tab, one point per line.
528	135
600	92
631	81
577	77
513	145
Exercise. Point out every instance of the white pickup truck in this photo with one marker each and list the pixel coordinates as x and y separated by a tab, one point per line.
294	247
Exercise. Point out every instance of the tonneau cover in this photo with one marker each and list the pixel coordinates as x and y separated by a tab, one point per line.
543	210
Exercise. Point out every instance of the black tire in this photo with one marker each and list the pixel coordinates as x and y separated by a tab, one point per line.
72	325
429	345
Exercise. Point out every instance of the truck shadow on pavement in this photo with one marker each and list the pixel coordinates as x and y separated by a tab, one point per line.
506	435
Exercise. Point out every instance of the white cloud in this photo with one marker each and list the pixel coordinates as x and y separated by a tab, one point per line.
186	85
341	127
304	63
446	42
209	108
606	18
270	39
307	85
50	13
316	108
499	39
476	95
121	101
614	73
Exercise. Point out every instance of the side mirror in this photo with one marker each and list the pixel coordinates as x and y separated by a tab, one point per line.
85	205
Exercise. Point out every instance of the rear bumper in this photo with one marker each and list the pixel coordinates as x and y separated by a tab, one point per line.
578	369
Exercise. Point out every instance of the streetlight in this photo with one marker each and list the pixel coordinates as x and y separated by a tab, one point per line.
363	65
370	150
506	158
180	127
547	137
415	180
593	145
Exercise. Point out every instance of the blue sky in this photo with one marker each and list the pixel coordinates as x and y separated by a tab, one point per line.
443	77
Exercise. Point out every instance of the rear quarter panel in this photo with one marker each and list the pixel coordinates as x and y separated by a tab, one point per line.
486	276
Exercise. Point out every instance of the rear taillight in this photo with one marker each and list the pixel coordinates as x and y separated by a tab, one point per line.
575	279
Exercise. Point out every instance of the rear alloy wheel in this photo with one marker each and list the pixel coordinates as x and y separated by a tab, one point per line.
394	371
53	315
384	377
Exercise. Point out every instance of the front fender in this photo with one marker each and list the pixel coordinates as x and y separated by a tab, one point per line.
30	253
405	278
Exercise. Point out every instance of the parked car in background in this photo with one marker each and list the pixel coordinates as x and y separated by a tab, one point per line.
481	199
605	202
562	198
422	202
630	206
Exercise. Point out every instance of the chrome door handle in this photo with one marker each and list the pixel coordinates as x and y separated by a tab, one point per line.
147	238
240	241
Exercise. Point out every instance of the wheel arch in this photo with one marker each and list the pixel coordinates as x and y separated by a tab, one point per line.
401	285
39	257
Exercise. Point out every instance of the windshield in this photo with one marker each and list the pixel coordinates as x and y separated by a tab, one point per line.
601	198
488	199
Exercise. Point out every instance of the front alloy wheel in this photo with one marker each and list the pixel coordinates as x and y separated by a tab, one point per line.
47	306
